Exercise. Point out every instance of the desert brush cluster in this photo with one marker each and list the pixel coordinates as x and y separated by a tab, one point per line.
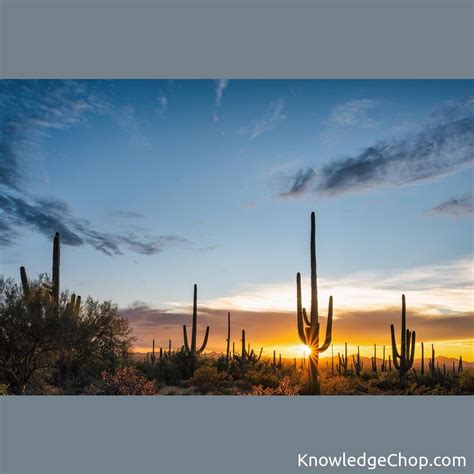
53	342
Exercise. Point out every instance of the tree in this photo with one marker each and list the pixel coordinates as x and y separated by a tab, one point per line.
64	344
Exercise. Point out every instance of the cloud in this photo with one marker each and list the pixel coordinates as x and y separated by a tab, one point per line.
273	116
455	206
441	146
353	113
127	120
221	85
121	214
161	104
300	182
435	290
34	110
439	308
48	216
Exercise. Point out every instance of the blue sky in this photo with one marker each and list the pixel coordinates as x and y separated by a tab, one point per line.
156	185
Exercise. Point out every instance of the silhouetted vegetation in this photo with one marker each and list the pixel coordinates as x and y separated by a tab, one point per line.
52	342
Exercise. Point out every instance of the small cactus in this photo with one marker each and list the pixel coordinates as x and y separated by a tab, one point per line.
374	359
343	362
357	363
383	366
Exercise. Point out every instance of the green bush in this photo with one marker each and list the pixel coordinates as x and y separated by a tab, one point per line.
207	379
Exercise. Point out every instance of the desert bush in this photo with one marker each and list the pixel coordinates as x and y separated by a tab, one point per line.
207	379
125	381
44	344
284	388
466	382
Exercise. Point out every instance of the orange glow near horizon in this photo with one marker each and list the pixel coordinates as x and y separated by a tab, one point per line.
450	349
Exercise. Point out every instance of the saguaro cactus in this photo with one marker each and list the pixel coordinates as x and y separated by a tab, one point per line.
431	362
308	329
403	360
374	359
460	364
74	304
153	355
247	355
343	362
383	365
422	359
52	289
56	263
227	352
358	364
192	349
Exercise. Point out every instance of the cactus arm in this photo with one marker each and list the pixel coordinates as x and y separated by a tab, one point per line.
185	336
305	318
299	311
77	308
327	341
204	344
412	355
394	343
259	355
24	281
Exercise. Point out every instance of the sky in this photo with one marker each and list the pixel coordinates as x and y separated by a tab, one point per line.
157	185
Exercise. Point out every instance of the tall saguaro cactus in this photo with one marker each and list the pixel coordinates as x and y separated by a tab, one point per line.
308	329
403	360
56	263
192	350
227	352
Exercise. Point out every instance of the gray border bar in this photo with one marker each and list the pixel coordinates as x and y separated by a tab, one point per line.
72	435
237	39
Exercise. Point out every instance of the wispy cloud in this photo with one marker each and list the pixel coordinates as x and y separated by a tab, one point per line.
221	85
434	290
353	113
300	182
127	120
161	104
34	110
122	214
270	120
48	216
455	206
441	146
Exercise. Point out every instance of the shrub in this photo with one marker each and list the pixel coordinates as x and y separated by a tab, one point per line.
284	388
125	381
208	379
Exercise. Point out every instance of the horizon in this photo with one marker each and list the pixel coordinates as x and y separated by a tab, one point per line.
157	185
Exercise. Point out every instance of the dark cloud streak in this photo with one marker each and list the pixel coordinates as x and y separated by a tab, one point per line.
441	146
35	108
455	206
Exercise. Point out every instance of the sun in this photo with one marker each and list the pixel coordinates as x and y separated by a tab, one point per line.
307	351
